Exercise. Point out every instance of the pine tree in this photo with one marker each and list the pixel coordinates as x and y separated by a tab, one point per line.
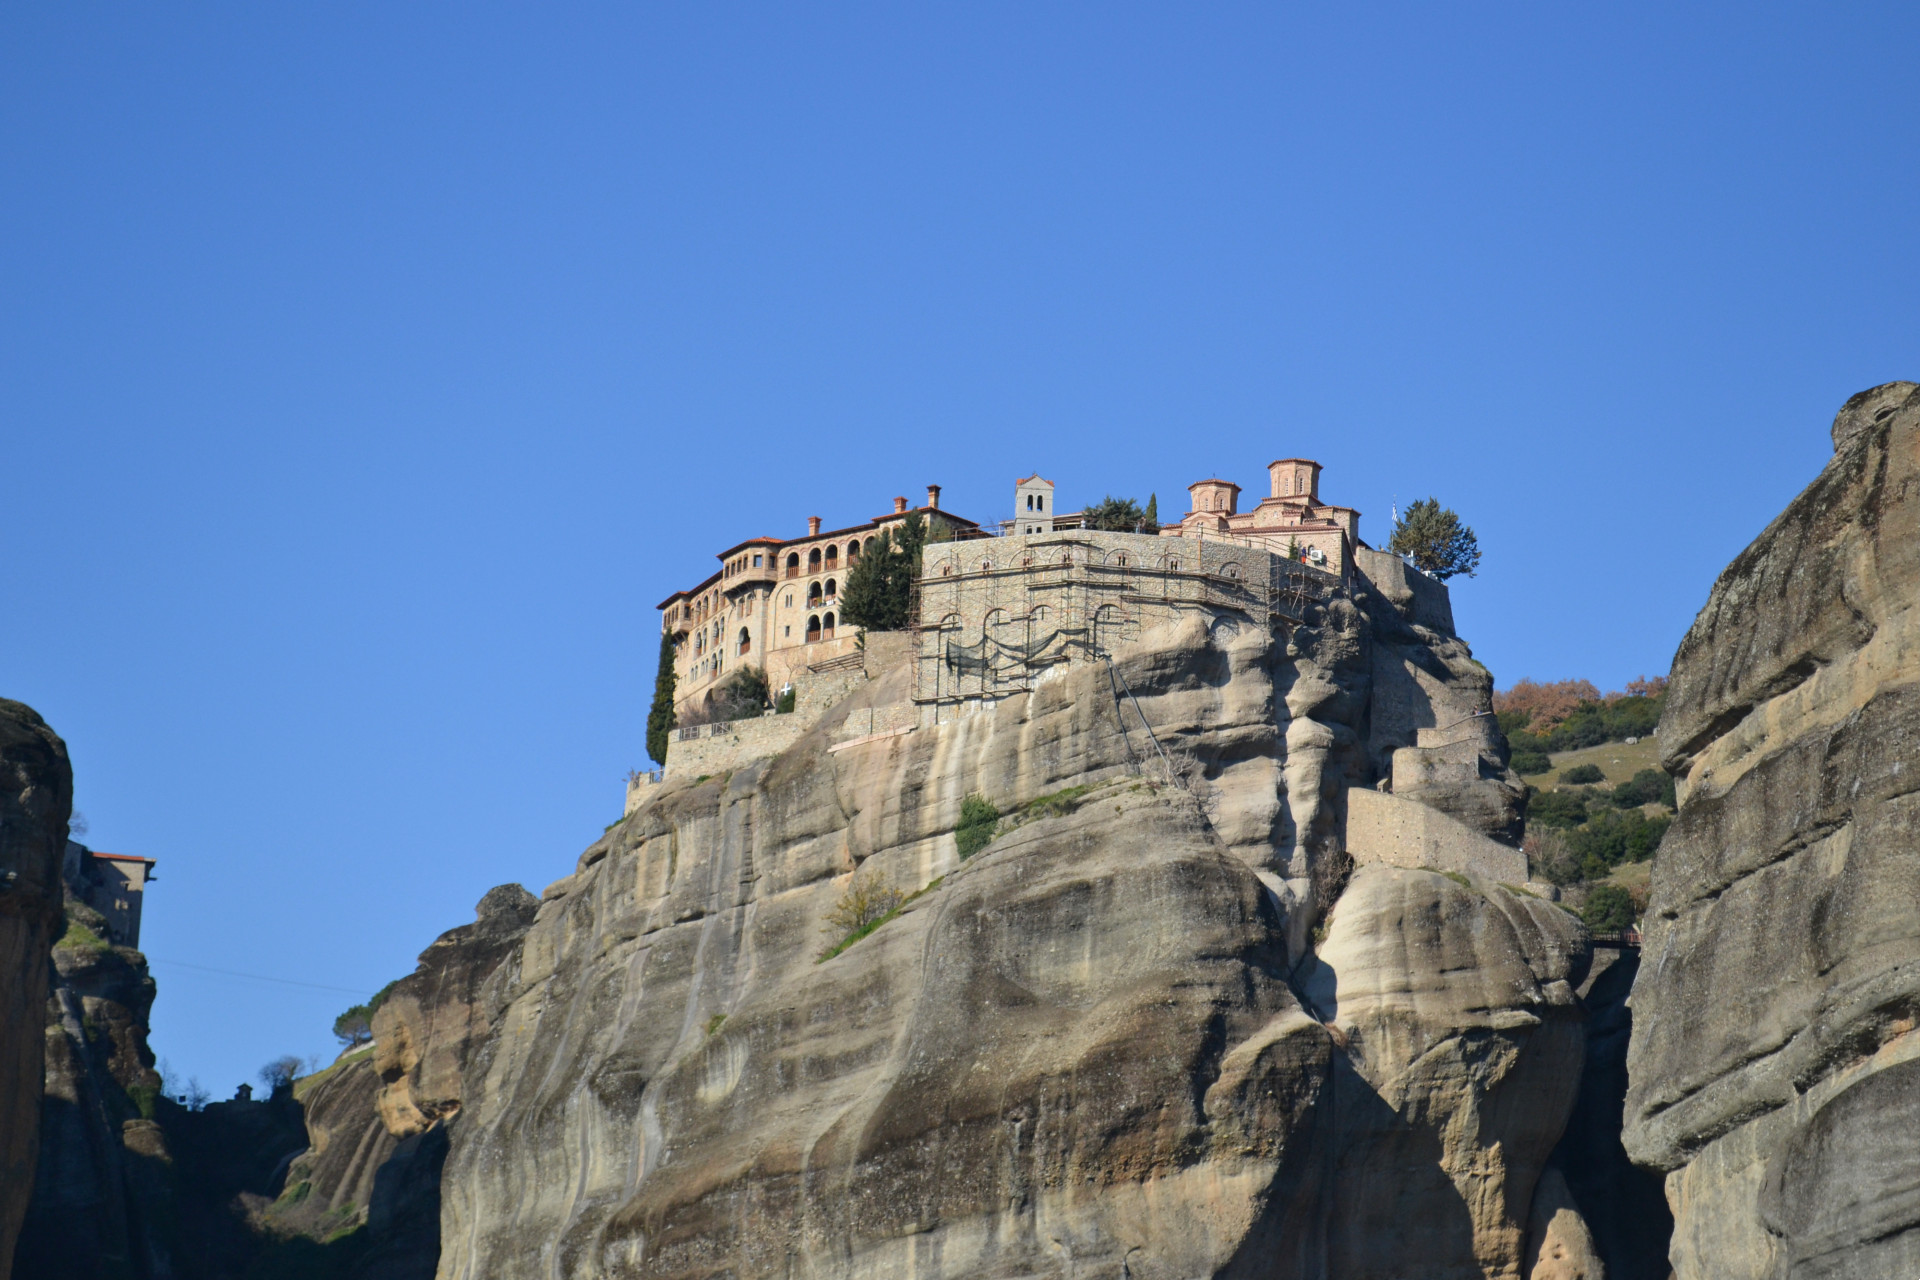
660	718
1436	540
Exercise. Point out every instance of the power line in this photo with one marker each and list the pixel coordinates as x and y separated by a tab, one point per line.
257	977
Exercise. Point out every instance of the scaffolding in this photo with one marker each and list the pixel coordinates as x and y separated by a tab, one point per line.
988	630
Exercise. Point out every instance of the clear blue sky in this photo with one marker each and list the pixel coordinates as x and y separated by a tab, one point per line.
369	372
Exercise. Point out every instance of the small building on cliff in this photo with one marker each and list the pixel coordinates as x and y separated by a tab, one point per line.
114	884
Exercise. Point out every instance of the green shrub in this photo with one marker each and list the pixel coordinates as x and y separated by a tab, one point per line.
1526	762
1611	837
80	938
1649	786
784	704
1563	809
1581	775
978	822
1609	909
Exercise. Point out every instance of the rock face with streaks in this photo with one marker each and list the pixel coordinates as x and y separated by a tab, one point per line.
1775	1070
102	1201
1126	1038
36	798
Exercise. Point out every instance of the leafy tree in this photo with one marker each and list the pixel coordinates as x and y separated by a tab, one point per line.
354	1027
1117	515
862	904
1582	774
1436	540
741	696
1609	909
660	719
280	1073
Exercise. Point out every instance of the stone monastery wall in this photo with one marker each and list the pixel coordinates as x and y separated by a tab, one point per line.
996	614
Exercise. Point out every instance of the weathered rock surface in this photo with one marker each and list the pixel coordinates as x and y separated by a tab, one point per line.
36	798
1084	1051
423	1033
1455	1006
103	1198
1775	1073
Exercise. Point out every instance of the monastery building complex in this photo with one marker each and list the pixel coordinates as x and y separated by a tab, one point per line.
996	606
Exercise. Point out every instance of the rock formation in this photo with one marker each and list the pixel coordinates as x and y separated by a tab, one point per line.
1775	1073
36	798
102	1201
1126	1038
363	1200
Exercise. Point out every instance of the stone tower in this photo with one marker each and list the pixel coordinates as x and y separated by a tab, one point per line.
1033	505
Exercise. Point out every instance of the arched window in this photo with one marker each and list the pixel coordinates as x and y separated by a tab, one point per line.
986	566
793	565
833	558
1119	559
813	560
832	590
813	595
746	641
1230	571
853	552
946	568
1029	502
826	627
1039	502
813	629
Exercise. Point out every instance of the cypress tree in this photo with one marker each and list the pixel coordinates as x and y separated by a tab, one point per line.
863	600
910	536
660	718
1153	513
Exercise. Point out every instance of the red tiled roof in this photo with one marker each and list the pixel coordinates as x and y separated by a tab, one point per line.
122	857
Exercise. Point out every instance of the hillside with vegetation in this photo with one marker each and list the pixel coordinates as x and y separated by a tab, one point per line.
1598	805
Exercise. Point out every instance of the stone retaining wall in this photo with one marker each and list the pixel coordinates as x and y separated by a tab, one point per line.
1405	833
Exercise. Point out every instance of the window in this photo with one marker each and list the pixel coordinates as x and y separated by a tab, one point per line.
813	629
831	589
793	565
853	551
813	595
756	561
786	631
833	557
1029	502
813	560
826	627
986	566
789	599
1230	571
746	641
1039	502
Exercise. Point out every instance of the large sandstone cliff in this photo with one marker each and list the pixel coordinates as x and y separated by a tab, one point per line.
36	799
1775	1069
1165	1024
